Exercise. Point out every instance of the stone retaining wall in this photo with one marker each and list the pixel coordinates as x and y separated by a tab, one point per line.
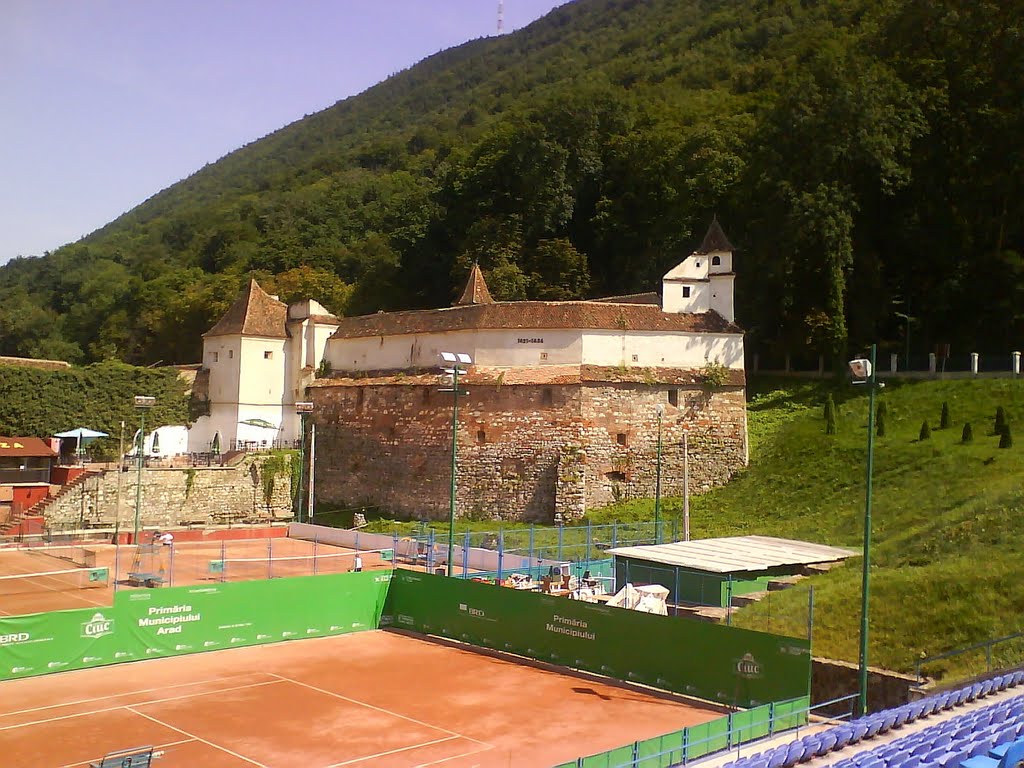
170	497
525	452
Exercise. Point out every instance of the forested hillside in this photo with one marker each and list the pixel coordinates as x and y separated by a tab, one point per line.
864	155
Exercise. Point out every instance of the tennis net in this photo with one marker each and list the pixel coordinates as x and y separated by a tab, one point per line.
244	568
78	555
54	581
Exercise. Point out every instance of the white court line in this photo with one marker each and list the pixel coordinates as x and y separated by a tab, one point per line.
379	709
197	738
135	704
455	757
128	693
392	752
156	754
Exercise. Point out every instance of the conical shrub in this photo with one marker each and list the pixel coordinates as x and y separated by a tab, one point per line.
944	420
1000	420
967	436
830	415
1005	438
880	423
926	431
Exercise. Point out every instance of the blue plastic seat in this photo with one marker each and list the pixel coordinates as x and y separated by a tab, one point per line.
794	754
843	735
874	726
860	731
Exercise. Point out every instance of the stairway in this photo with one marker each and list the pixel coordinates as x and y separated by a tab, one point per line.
32	520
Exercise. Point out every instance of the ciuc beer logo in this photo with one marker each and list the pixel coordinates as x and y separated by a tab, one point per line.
98	626
748	666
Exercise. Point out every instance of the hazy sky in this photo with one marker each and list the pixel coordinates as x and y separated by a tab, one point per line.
103	103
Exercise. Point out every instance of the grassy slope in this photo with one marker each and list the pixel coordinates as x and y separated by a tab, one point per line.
947	561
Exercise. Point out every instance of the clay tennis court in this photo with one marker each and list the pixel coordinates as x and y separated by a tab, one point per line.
190	563
373	699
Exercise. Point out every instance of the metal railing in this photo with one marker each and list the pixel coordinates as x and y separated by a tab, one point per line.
724	734
986	645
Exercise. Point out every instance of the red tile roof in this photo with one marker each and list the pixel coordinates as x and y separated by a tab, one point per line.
537	375
583	315
715	240
254	313
25	446
476	291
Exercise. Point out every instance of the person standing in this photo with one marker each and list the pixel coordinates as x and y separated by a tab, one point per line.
358	563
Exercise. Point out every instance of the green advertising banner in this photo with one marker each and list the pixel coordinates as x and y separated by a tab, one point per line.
153	623
733	666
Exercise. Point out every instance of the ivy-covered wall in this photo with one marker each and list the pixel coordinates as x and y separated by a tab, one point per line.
39	403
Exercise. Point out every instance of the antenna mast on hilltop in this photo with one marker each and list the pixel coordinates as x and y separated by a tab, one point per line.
501	17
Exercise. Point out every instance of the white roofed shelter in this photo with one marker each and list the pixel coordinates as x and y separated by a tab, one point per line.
708	571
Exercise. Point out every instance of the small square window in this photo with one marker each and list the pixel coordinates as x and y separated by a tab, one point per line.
636	358
620	438
716	261
481	436
543	355
231	353
216	357
268	355
673	397
686	291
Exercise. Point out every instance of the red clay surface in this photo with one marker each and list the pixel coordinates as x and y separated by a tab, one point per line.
372	700
189	564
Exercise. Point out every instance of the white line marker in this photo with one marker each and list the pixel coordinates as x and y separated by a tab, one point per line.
392	752
197	738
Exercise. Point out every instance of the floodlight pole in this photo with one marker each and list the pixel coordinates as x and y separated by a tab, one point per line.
302	408
872	382
142	403
657	484
455	440
454	360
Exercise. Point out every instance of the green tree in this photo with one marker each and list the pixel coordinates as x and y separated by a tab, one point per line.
1006	438
926	431
944	420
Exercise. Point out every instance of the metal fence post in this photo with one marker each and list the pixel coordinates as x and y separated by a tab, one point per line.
590	538
615	535
501	552
270	558
465	556
561	531
771	718
728	609
531	544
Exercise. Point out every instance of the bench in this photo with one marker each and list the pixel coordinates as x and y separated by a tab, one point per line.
136	757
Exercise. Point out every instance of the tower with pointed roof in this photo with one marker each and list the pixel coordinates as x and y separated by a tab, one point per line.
704	281
257	360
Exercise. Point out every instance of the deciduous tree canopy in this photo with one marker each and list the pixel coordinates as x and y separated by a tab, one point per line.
864	155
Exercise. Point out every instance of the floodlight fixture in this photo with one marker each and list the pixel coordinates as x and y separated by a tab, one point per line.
143	401
304	407
861	368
